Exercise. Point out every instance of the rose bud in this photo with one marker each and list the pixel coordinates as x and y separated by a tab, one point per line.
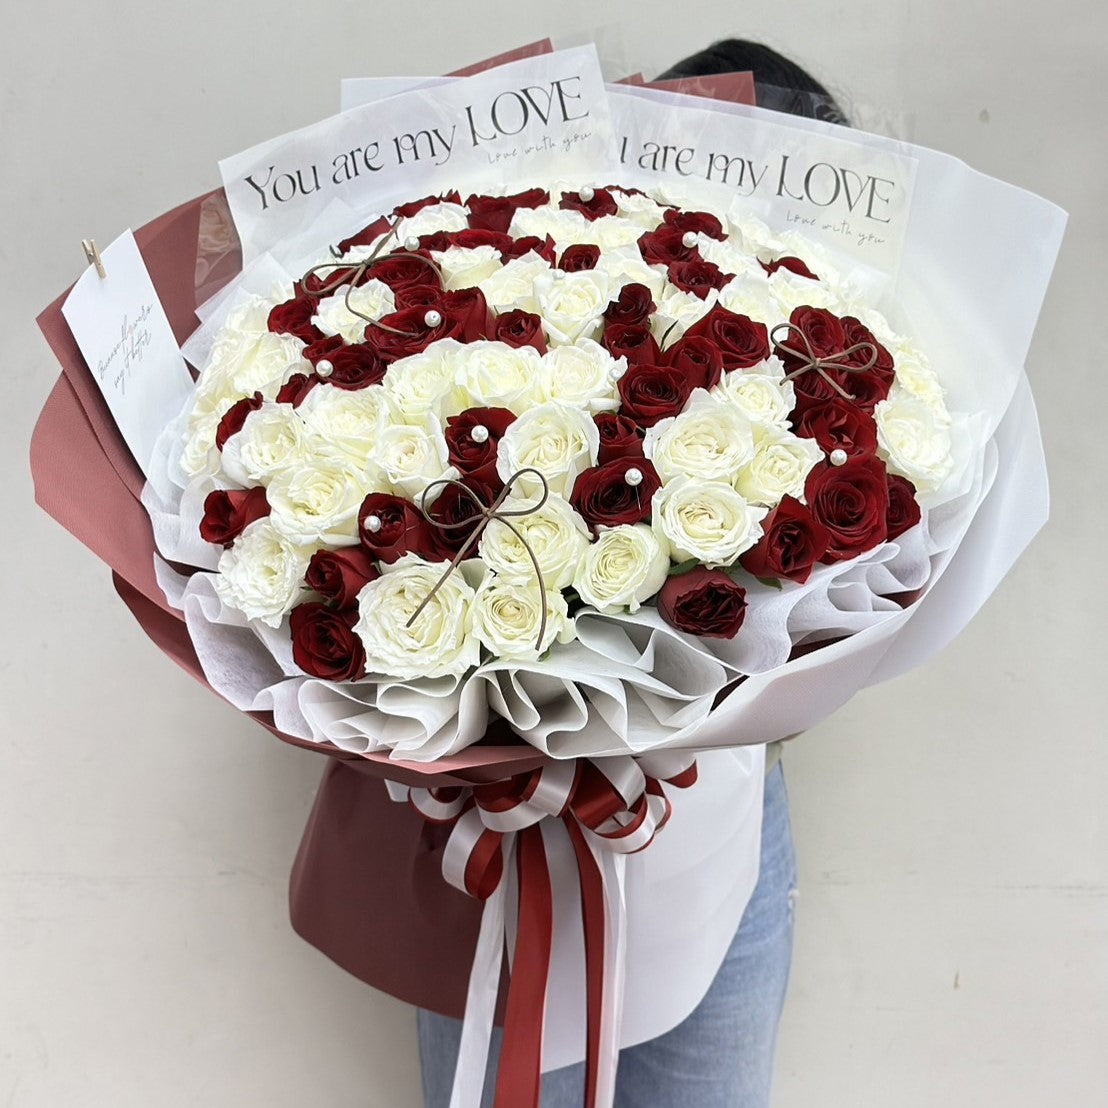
339	575
649	393
697	276
476	456
581	256
632	341
519	328
741	341
903	512
698	358
837	424
851	501
294	317
227	513
600	203
700	223
324	644
390	527
620	437
615	493
703	602
235	417
791	544
633	306
793	265
296	388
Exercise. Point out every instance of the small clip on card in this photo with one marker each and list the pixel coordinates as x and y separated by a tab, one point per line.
93	255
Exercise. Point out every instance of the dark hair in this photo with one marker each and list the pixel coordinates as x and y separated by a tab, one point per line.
780	84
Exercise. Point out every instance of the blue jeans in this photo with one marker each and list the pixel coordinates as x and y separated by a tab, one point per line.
722	1055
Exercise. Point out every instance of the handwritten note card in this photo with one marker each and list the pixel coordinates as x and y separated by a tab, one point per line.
122	330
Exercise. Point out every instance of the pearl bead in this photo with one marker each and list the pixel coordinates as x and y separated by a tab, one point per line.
689	239
633	477
838	457
479	434
373	523
432	318
323	368
586	195
411	243
617	372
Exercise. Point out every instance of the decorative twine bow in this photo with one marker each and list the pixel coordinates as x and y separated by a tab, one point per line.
610	807
821	364
351	276
488	512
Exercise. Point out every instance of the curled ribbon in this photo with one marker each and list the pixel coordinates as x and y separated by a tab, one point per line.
610	808
487	513
821	364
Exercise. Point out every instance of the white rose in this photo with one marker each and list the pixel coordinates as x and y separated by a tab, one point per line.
610	232
440	641
199	456
513	285
556	534
729	257
789	291
262	575
752	233
625	266
271	439
413	455
571	304
705	520
556	439
335	316
318	502
584	375
507	616
643	210
779	468
427	382
429	220
711	439
346	422
242	363
915	376
462	267
750	296
913	440
496	375
762	393
565	227
624	567
682	309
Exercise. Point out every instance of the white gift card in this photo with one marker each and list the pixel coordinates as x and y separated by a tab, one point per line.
122	330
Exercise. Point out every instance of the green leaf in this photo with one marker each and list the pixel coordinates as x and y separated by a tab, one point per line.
769	582
682	568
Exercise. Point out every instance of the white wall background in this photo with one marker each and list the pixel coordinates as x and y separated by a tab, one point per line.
953	925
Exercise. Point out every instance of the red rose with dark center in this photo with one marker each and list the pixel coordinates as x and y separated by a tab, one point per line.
666	245
405	271
324	644
791	543
633	306
519	328
235	417
742	343
697	276
473	456
632	341
604	496
649	393
227	513
401	528
458	513
323	348
600	203
494	213
620	437
417	296
837	424
699	359
294	317
793	265
581	256
700	223
339	575
356	367
704	602
462	315
903	512
851	501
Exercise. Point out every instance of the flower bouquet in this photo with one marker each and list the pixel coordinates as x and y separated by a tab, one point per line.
568	479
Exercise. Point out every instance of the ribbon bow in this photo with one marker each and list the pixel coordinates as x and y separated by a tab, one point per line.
610	807
821	364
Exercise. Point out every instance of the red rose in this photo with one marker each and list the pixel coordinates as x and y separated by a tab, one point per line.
457	513
356	367
605	498
903	512
703	602
665	245
462	315
367	236
472	456
468	239
699	359
793	265
324	644
322	348
837	424
227	513
851	501
742	343
697	276
649	393
600	203
632	341
581	256
296	388
402	530
620	437
330	278
545	248
415	206
294	317
405	271
700	223
519	328
494	213
634	306
235	417
791	543
417	296
339	575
